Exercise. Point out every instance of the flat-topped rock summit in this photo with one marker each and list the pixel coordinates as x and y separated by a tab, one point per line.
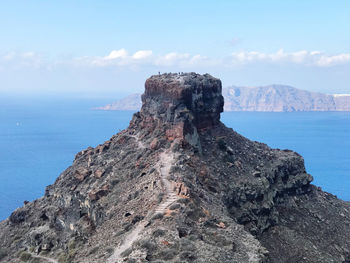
196	98
177	185
181	103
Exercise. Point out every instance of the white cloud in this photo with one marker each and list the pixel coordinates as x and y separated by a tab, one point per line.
28	55
325	61
309	58
115	54
140	58
142	54
16	60
147	57
172	59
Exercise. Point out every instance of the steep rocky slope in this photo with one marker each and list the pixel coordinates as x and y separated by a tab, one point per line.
273	98
179	186
342	102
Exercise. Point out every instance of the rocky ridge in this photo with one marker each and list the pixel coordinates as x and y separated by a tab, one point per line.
179	186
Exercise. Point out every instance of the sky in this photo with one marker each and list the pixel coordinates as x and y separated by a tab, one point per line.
107	49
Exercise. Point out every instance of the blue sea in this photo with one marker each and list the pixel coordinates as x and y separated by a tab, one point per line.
40	137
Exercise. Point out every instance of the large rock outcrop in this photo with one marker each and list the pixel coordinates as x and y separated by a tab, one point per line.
179	186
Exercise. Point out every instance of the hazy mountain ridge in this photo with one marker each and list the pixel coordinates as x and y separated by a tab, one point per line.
272	98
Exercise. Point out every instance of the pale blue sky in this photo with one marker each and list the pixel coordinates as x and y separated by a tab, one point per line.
64	47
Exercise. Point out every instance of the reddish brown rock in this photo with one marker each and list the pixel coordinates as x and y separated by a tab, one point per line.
176	132
97	194
182	104
99	173
154	144
81	173
182	190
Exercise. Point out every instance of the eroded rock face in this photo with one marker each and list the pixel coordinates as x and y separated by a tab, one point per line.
185	188
184	96
183	103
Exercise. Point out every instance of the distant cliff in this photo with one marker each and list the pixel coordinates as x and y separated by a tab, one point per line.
342	102
131	102
275	98
282	98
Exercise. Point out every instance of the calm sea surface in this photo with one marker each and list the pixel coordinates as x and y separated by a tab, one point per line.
39	139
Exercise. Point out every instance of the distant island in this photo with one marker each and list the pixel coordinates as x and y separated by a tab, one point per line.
272	98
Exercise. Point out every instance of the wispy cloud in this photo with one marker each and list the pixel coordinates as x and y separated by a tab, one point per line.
123	58
142	54
22	59
115	54
333	60
302	57
309	58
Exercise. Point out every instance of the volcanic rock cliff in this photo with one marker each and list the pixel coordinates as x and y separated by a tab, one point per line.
179	186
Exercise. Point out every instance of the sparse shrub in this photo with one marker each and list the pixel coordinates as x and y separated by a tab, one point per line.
17	238
44	253
221	143
195	214
119	233
62	258
157	216
183	201
71	244
167	254
126	252
115	182
71	254
211	223
187	244
127	226
187	256
35	260
194	237
174	206
3	253
67	257
109	250
158	233
25	256
93	250
147	244
137	218
160	197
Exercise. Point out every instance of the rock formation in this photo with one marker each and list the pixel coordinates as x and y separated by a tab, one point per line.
342	102
132	102
278	98
179	186
273	98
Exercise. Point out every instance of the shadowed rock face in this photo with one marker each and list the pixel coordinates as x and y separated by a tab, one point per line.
221	197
